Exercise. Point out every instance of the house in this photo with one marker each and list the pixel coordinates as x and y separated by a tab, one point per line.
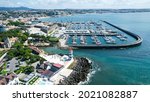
47	73
3	80
28	77
10	79
56	65
44	66
13	79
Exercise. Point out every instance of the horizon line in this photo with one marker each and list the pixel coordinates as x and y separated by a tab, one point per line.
67	8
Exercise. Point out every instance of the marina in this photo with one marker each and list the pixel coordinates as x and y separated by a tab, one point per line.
119	66
99	35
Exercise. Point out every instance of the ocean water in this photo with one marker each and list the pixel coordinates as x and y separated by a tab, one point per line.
130	66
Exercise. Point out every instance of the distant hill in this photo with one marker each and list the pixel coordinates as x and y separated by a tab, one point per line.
13	8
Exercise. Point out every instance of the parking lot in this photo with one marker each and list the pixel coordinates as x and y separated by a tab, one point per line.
14	64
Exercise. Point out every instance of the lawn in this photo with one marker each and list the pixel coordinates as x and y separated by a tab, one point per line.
33	80
3	72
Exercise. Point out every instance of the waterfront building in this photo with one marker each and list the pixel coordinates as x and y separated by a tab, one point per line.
36	31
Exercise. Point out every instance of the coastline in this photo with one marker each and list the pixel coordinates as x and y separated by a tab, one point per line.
79	73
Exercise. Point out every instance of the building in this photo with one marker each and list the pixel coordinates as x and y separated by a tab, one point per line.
10	79
8	42
3	80
28	78
35	50
36	31
13	79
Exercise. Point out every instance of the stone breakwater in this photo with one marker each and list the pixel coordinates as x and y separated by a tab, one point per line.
79	73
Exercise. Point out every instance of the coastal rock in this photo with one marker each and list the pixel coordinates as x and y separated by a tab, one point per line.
80	72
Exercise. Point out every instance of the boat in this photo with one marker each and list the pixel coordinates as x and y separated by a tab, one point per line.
106	38
82	38
74	43
92	37
123	39
98	42
82	42
108	41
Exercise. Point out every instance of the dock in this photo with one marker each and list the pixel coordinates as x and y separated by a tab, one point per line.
84	35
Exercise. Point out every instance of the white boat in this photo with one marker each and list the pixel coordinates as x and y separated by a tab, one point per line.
106	38
123	39
74	43
92	37
108	41
98	42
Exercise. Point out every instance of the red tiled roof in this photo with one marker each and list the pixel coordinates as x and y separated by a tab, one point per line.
3	81
47	72
57	65
11	76
35	49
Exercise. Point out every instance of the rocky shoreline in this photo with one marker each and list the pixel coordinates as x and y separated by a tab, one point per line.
80	72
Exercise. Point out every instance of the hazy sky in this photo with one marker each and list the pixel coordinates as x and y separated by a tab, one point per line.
52	4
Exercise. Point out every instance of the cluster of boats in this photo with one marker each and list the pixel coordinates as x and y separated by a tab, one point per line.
104	32
122	37
83	40
96	40
74	39
109	40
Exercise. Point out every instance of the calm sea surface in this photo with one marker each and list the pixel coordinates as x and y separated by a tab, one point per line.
116	66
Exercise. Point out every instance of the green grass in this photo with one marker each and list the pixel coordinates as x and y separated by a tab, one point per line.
18	71
33	80
3	72
24	69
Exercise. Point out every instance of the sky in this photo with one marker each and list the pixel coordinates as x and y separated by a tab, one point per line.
76	4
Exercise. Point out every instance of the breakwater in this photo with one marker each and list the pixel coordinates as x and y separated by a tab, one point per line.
80	72
138	38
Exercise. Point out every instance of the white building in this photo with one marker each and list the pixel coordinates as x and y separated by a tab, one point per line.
36	31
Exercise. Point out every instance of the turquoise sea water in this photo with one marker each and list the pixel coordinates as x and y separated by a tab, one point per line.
116	66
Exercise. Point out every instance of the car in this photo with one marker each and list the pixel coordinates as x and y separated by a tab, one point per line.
17	65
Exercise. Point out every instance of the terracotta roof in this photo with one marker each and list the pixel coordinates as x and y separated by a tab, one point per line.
47	73
3	80
35	49
57	65
11	76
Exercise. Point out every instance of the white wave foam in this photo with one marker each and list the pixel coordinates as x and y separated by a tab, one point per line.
94	69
